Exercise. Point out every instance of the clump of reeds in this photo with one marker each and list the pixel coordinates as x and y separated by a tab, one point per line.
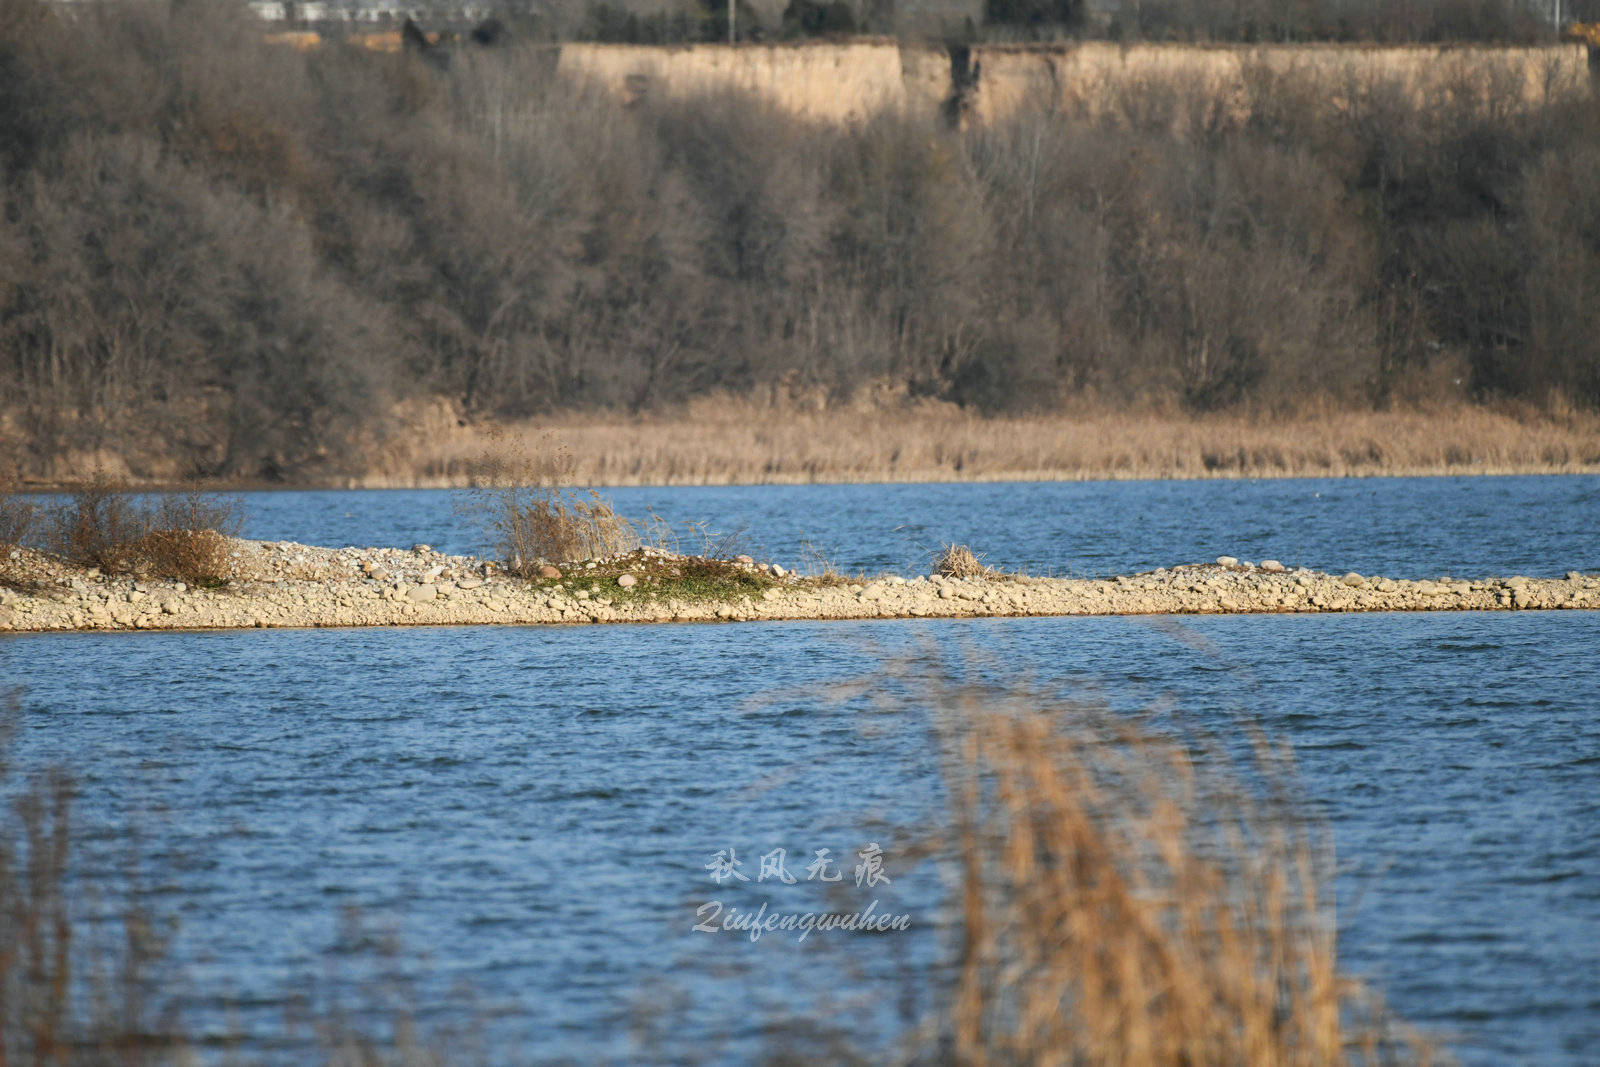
532	516
560	526
958	561
182	536
1129	898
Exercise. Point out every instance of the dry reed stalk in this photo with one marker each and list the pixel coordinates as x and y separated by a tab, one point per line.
71	991
1127	901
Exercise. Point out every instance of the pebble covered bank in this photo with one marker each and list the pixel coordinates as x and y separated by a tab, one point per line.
282	584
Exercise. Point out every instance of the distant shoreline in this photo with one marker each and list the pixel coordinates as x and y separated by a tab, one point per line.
729	442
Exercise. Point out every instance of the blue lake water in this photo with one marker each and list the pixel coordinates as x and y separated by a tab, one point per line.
1399	527
532	809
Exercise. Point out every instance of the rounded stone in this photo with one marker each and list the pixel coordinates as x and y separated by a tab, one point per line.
548	571
1272	566
1227	561
626	580
1353	580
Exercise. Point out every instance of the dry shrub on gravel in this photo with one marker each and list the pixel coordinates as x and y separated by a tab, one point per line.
958	561
99	525
199	557
182	536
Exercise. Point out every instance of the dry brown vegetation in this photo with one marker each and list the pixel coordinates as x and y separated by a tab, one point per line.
958	561
182	536
223	256
1131	895
524	504
729	441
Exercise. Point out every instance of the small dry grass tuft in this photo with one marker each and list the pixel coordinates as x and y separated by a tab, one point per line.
958	561
1128	897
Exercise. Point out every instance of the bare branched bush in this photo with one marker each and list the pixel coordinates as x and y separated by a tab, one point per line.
197	557
191	534
182	536
101	524
194	508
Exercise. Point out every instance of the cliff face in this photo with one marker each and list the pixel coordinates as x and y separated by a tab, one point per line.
846	82
843	82
1095	77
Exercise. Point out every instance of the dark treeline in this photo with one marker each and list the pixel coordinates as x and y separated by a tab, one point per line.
244	257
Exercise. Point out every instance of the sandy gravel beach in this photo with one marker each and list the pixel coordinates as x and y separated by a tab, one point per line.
283	584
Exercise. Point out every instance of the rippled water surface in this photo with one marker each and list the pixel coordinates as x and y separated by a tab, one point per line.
1401	527
531	809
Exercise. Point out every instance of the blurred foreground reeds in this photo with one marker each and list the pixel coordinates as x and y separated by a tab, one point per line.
1133	894
1124	892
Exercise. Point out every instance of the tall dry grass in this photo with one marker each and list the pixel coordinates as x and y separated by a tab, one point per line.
734	441
525	505
1130	895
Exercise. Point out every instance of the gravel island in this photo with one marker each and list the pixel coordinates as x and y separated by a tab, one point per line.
282	584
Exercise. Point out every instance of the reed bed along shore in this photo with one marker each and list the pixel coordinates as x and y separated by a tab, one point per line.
724	443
